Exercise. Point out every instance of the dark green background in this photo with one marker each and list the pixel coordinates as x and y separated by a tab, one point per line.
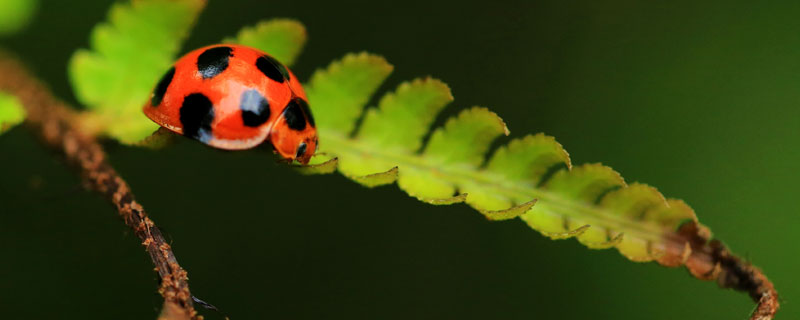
699	100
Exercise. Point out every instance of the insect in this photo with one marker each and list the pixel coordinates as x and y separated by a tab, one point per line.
235	97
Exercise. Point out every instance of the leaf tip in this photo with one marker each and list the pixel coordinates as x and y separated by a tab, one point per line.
510	213
445	201
613	242
368	58
326	167
377	179
282	38
440	85
567	234
564	155
608	171
483	111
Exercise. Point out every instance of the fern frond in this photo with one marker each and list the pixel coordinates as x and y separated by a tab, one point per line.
590	202
136	45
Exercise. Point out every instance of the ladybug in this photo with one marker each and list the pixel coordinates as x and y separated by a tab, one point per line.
235	97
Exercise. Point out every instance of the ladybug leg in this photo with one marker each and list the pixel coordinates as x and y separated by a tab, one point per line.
267	147
158	140
209	306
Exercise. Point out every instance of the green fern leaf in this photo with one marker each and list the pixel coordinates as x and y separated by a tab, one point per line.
341	91
137	43
283	39
591	202
11	112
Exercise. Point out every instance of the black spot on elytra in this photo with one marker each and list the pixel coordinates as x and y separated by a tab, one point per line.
294	116
196	115
255	108
272	68
304	105
301	149
161	87
213	61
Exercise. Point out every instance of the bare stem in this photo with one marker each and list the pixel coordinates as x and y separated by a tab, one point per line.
58	127
711	260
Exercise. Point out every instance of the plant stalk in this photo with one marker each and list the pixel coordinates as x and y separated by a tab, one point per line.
59	128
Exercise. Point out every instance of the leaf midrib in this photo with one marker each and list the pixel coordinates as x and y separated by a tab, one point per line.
458	174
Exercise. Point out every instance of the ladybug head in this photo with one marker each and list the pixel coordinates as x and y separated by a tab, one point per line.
294	134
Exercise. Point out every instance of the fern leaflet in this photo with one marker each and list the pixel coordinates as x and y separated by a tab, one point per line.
591	202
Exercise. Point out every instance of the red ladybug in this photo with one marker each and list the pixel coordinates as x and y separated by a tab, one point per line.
235	97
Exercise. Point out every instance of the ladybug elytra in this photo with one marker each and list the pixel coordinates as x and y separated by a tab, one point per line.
235	97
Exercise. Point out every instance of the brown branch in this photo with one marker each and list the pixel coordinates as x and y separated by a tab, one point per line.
58	127
711	260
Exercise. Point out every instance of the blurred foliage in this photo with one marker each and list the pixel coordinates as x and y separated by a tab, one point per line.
16	14
11	112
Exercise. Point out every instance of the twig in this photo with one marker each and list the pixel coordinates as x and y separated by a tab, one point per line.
711	260
58	127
